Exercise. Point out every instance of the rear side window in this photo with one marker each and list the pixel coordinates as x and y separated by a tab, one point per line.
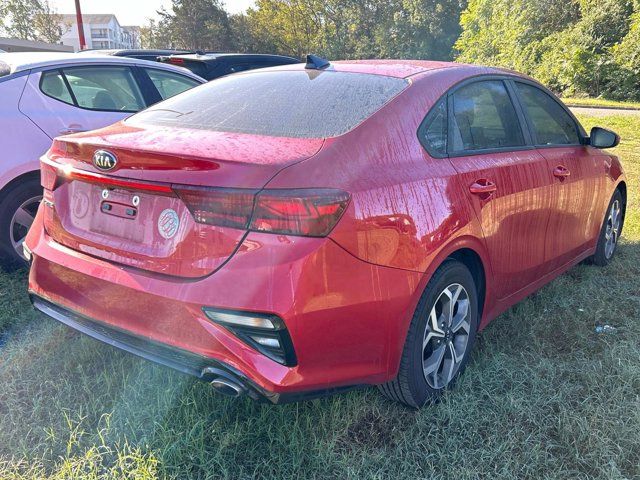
550	123
105	88
434	135
303	104
170	84
484	118
52	84
94	88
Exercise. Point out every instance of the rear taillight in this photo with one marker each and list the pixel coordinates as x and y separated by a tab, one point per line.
49	172
48	176
311	213
224	207
304	212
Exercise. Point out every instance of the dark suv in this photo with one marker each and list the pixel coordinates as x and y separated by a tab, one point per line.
214	65
139	53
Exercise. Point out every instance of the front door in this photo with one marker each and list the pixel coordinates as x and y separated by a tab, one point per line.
579	184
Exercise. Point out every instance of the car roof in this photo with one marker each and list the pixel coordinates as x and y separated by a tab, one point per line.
204	57
132	51
392	68
22	61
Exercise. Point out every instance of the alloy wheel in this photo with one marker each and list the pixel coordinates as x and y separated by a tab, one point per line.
21	222
446	336
612	229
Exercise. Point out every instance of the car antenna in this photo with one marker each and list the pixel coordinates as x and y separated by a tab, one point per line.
315	62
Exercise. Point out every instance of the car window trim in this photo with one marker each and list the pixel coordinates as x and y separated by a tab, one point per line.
149	91
75	104
69	89
578	126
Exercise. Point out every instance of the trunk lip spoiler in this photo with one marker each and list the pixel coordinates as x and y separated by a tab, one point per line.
66	173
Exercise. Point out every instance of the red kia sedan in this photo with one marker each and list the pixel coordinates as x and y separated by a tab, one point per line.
300	230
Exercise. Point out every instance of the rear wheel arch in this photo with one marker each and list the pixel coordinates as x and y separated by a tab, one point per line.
468	251
22	196
34	174
622	188
472	260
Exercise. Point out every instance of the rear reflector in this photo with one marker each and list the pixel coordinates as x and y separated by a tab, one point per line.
265	332
303	212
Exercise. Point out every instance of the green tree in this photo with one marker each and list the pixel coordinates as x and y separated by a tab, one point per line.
426	29
189	25
567	45
30	20
289	27
155	35
343	29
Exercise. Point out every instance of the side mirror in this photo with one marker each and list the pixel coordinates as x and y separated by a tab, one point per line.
603	138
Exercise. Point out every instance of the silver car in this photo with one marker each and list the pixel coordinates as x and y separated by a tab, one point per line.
45	95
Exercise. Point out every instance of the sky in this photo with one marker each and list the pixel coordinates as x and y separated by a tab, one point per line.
133	12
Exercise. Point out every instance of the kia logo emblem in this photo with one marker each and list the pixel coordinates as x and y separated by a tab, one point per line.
104	160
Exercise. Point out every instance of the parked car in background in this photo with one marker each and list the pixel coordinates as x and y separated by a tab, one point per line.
139	53
290	232
214	65
45	95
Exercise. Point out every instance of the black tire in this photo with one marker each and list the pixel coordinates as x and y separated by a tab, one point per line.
411	386
604	255
10	201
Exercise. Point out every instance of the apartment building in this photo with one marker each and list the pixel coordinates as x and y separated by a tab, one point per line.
100	32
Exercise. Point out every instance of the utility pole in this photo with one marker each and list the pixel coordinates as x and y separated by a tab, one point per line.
83	43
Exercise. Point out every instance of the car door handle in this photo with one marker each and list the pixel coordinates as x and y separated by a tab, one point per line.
483	187
561	172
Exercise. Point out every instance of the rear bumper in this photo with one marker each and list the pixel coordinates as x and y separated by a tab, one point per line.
203	368
347	319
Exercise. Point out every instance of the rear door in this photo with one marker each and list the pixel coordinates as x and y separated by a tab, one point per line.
81	98
505	178
579	182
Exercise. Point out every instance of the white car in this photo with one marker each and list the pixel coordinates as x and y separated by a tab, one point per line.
45	95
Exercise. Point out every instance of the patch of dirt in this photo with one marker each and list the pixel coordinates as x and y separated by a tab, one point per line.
374	431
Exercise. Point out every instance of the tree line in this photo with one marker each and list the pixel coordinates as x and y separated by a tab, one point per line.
333	28
30	20
576	47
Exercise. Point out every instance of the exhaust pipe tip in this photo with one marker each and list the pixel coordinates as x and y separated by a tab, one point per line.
227	387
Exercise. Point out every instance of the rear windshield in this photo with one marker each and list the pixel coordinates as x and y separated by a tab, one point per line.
303	104
199	68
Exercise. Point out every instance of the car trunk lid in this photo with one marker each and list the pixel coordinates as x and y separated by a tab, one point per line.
135	213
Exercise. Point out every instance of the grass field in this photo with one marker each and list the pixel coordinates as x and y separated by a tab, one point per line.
599	102
544	397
